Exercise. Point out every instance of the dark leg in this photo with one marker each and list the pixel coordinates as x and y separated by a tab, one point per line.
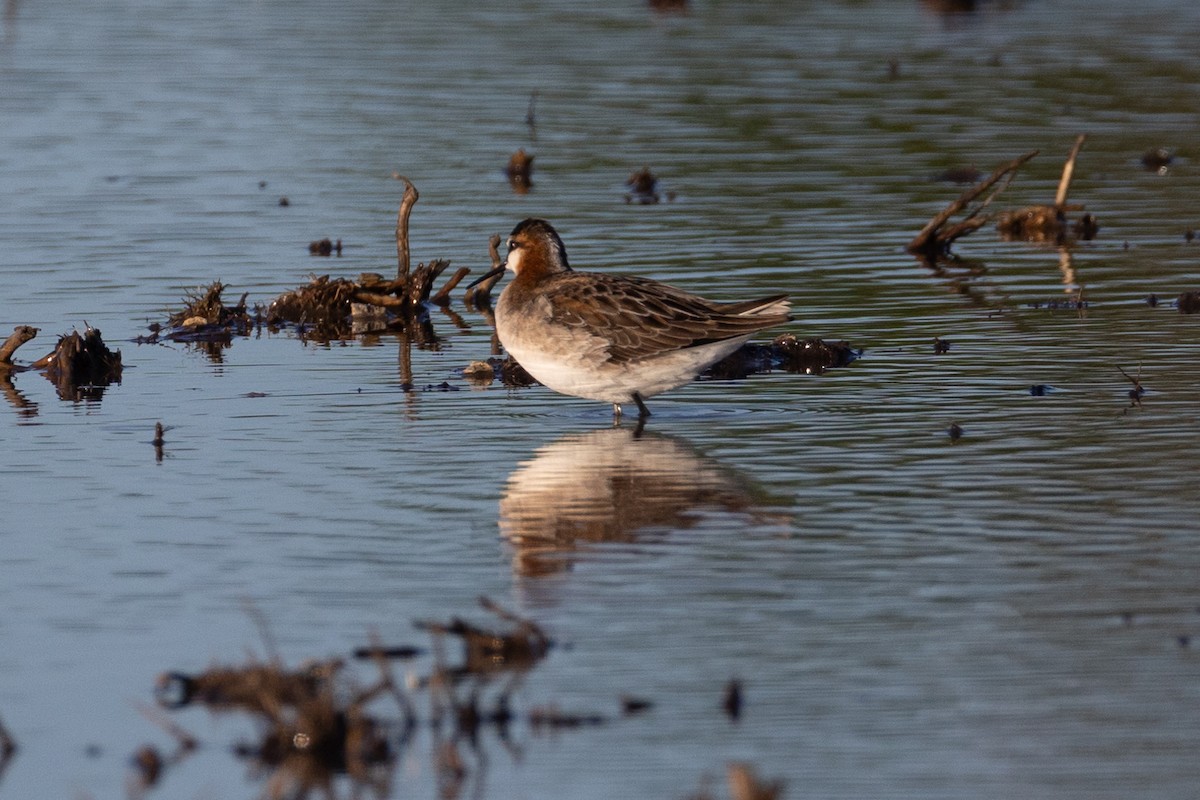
643	412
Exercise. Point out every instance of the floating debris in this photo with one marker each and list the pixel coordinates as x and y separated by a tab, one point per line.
486	651
324	247
520	171
81	365
940	346
479	372
643	188
955	431
1137	391
1050	223
1188	302
934	240
158	441
324	309
1158	159
635	705
731	701
205	317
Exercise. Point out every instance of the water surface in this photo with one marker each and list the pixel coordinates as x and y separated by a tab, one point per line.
911	615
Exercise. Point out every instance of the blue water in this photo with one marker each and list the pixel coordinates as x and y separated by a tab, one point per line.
910	615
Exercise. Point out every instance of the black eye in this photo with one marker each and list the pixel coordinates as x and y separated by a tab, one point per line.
512	245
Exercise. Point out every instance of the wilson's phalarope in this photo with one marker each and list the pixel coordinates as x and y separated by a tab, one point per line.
610	338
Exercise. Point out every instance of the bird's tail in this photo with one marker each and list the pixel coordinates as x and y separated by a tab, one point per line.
776	305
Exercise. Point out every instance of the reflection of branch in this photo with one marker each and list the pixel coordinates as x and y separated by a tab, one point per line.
933	240
21	403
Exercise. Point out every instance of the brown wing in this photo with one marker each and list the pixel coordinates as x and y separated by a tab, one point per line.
641	318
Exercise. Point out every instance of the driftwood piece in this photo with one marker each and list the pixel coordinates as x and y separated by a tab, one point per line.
20	335
406	203
935	240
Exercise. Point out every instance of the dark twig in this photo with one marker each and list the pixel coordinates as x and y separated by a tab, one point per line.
934	241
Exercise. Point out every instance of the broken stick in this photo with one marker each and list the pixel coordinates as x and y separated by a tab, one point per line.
20	335
933	240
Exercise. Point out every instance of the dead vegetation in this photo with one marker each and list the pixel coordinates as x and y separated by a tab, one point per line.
1048	223
326	308
1051	223
81	366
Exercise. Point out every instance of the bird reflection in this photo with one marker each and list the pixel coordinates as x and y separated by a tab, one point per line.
615	485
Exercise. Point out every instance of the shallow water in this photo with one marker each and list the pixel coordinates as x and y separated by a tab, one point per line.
911	615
